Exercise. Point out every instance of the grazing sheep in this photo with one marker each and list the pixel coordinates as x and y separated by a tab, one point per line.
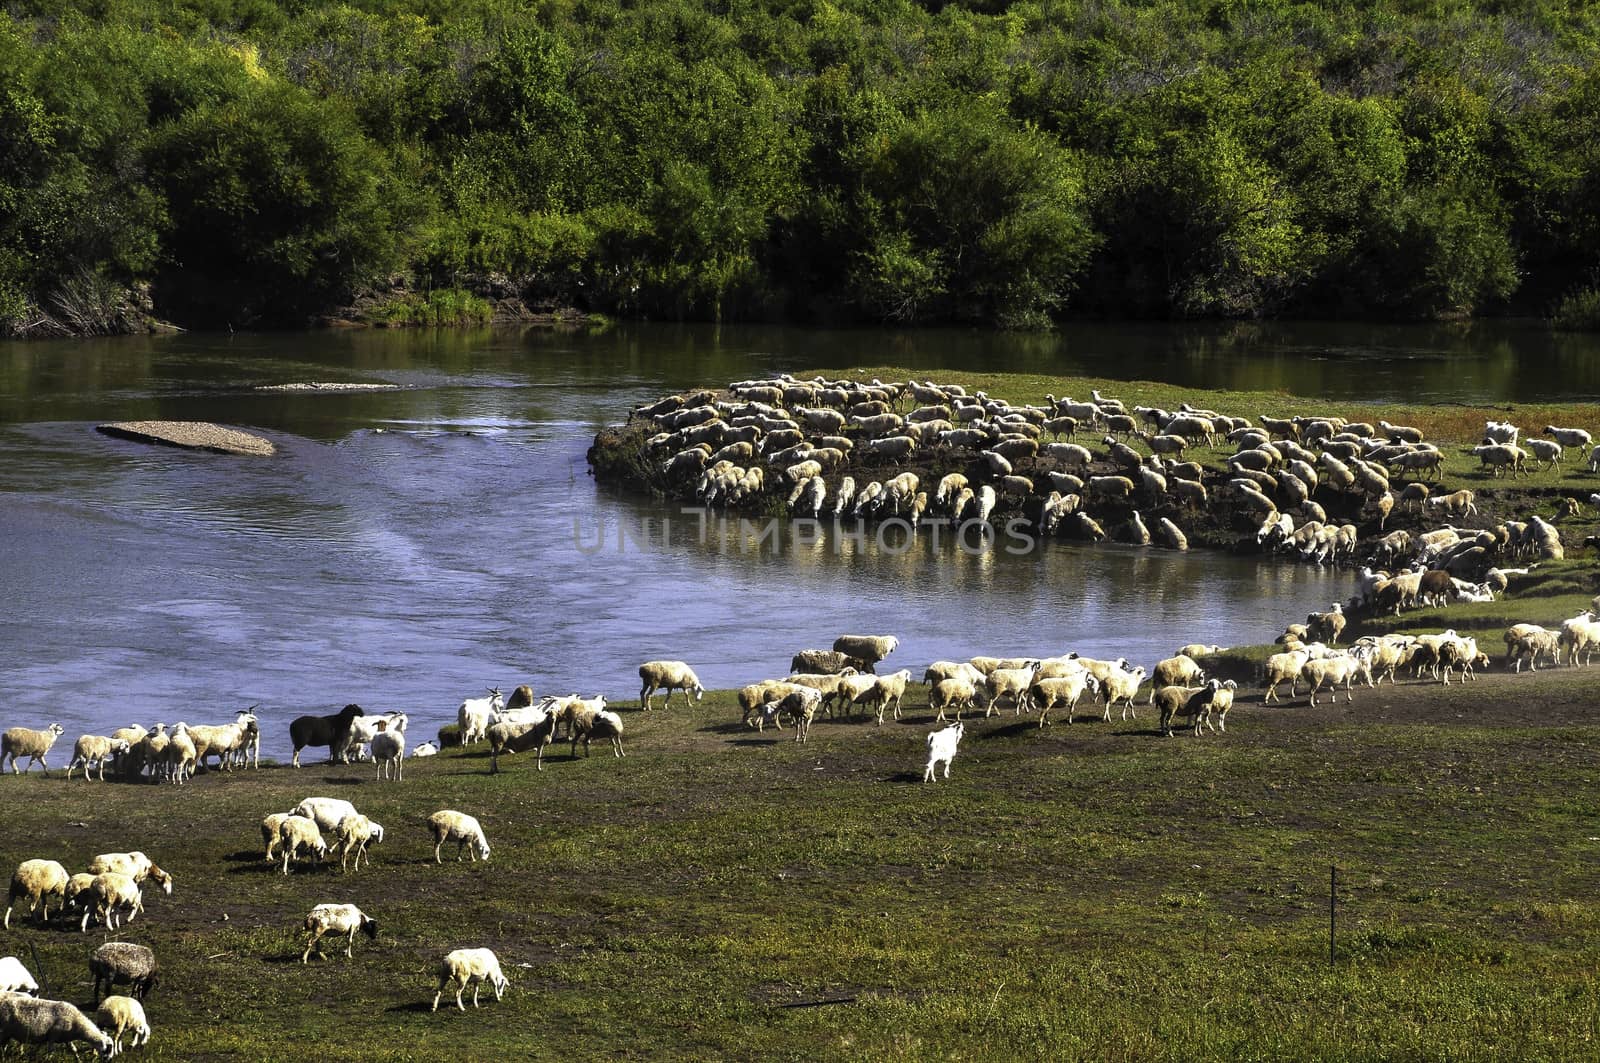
91	750
25	742
48	1022
344	919
300	836
119	1015
869	649
509	738
474	715
470	967
14	977
1455	504
447	825
135	865
38	881
331	731
269	833
353	835
668	676
801	706
123	962
942	749
325	812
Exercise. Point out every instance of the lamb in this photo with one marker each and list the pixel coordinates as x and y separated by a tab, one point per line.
299	835
123	962
344	919
1568	437
668	676
20	742
869	649
331	731
1178	671
470	967
38	881
1531	641
1215	697
942	749
353	835
388	752
14	977
48	1022
119	1015
110	895
474	714
447	825
801	705
91	750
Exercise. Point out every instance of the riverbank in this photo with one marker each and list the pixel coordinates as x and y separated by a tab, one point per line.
1088	891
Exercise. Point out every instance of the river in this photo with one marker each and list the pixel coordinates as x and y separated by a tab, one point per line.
409	548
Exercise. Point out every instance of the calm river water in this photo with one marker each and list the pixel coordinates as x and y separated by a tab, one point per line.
409	548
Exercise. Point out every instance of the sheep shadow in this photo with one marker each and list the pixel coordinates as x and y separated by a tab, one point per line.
907	777
246	856
723	728
416	1007
761	742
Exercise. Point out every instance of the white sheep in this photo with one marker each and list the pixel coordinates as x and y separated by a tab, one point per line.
891	688
26	742
473	715
1568	437
1178	671
135	865
92	750
269	832
668	676
942	749
119	1015
299	835
1123	686
868	648
470	967
326	812
344	919
388	752
14	977
1065	690
1010	683
48	1022
364	728
425	749
353	834
38	881
460	828
111	895
955	693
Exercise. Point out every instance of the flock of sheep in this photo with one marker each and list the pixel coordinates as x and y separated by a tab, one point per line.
818	444
110	891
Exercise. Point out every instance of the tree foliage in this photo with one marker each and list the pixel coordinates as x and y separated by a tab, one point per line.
973	162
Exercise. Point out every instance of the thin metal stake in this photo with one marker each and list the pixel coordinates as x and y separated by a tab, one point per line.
1333	893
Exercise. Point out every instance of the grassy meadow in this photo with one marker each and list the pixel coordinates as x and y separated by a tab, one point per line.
1089	891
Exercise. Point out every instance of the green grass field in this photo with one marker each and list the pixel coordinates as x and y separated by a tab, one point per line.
1091	891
